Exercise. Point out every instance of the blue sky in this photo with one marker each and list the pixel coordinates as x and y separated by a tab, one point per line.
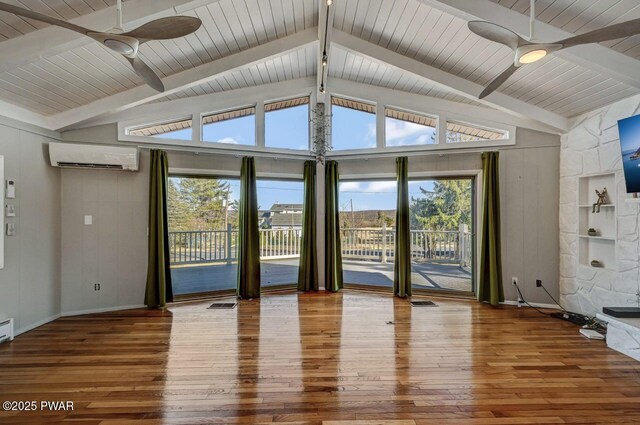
629	133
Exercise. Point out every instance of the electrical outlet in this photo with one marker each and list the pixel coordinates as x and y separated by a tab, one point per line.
514	281
96	286
538	283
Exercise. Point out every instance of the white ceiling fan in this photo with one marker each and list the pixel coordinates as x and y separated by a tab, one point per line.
529	51
125	43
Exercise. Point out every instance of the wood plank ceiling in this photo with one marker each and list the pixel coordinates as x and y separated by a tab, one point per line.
85	74
13	26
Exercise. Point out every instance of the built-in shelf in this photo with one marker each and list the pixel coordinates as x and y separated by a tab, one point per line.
603	238
601	206
601	248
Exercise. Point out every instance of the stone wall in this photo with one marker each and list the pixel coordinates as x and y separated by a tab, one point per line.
592	147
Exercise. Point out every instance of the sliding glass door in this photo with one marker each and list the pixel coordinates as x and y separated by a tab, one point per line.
442	234
367	221
442	229
203	233
280	215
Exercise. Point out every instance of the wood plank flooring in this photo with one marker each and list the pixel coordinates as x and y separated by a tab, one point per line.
332	359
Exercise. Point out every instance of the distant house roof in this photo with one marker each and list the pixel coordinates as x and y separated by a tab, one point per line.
286	207
286	220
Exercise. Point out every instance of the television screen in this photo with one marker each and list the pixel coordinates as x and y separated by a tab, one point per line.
629	130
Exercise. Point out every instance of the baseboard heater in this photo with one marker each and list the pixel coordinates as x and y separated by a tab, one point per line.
6	330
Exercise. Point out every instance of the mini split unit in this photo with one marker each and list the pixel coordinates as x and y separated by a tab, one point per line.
68	155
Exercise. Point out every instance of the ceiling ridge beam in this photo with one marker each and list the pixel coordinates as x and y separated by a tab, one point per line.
326	15
449	81
52	40
184	79
595	57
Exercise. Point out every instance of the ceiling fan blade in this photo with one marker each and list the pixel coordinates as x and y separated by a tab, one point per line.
146	73
497	33
26	13
165	28
612	32
498	81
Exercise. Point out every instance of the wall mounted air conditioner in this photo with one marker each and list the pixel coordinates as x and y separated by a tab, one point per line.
69	155
6	330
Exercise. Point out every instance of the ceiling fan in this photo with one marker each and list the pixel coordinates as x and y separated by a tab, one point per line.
125	43
529	51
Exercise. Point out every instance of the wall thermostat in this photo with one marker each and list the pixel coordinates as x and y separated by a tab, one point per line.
10	193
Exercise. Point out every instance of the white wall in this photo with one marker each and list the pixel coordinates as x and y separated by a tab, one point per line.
592	147
30	281
112	251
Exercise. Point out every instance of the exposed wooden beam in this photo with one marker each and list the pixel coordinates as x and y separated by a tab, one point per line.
185	79
213	102
20	114
596	57
449	81
52	40
436	106
325	29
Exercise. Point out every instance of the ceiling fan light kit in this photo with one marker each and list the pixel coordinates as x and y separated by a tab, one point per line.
527	51
125	43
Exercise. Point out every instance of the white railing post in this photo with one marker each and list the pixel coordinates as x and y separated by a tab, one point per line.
462	244
384	243
229	246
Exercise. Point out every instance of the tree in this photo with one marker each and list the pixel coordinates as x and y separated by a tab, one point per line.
178	212
197	204
445	208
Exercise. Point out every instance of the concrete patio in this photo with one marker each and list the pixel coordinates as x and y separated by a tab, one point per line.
190	279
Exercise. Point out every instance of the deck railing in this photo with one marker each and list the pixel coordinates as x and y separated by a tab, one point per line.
209	246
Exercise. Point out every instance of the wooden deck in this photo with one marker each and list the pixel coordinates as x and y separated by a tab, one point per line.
332	359
214	277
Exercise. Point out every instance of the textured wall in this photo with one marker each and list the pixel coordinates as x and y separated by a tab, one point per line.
592	147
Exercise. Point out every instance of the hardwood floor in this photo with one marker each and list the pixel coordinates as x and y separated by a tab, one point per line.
333	359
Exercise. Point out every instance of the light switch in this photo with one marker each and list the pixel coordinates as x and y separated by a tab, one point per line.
10	189
10	210
88	220
11	229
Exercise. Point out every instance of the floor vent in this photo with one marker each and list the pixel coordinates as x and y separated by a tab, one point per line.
423	304
222	306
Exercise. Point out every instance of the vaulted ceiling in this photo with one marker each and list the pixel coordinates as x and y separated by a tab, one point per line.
58	79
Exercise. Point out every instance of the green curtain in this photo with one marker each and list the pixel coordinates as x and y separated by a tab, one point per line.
248	236
402	257
490	285
308	270
159	291
333	250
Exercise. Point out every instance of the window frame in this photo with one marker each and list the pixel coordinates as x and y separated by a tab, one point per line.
442	110
404	110
332	152
306	151
201	123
